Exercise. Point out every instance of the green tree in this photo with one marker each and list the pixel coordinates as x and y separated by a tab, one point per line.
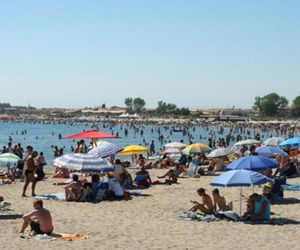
129	103
103	106
296	106
138	104
270	104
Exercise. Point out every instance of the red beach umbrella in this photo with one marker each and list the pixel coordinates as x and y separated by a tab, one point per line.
91	134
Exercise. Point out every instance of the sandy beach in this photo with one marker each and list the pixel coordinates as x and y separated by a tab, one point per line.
150	221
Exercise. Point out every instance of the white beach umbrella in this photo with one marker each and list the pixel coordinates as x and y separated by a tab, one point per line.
175	145
219	152
273	141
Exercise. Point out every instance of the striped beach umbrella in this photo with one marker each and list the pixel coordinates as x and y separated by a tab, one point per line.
105	149
219	152
83	163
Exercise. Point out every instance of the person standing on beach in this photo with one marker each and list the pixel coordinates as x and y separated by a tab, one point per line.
30	173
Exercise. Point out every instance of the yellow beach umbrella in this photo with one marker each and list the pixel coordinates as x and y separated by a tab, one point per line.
196	148
133	150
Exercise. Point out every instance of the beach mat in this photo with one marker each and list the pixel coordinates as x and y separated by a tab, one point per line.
58	196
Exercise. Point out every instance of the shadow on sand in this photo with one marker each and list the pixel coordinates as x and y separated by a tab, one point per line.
10	216
288	201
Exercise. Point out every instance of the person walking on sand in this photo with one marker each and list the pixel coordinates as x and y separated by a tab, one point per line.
30	173
39	219
206	206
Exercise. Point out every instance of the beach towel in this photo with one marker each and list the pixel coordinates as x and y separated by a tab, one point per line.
291	187
5	206
229	215
193	216
58	196
192	170
61	236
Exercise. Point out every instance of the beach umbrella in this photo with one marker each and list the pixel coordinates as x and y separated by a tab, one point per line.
255	163
239	178
273	141
133	150
270	151
9	158
175	145
83	163
171	151
105	149
247	142
292	142
196	148
91	134
219	152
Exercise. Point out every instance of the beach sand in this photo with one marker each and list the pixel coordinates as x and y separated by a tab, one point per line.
150	221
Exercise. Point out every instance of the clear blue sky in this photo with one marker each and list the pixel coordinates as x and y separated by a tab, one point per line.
213	53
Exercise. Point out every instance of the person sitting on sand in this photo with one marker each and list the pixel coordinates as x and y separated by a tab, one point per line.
220	202
39	219
115	189
258	209
120	172
1	199
73	190
206	206
172	175
143	178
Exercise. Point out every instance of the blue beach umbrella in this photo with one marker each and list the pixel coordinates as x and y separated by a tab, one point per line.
292	142
105	149
271	151
254	163
239	178
83	163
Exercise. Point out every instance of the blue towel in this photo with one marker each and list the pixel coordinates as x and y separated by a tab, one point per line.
291	187
58	196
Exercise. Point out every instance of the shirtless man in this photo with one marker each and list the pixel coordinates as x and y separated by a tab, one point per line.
220	202
29	173
73	190
206	206
39	219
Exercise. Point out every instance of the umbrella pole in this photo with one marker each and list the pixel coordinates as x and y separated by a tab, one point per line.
241	193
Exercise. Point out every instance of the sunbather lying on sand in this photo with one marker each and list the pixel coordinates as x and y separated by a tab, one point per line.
206	206
62	173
